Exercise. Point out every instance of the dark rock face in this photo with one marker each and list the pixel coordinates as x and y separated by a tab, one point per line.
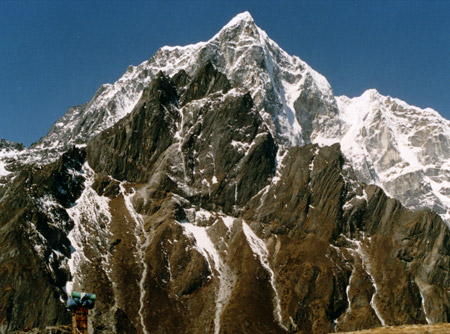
332	241
187	217
207	81
62	329
217	138
33	238
155	118
7	145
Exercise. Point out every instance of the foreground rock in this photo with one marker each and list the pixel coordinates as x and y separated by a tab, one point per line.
412	329
47	330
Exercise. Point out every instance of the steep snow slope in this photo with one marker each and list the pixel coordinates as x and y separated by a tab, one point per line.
10	154
402	148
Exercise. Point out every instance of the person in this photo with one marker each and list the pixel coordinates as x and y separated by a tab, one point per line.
79	303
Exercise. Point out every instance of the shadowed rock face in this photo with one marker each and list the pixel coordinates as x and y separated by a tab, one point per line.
351	255
34	243
186	217
136	142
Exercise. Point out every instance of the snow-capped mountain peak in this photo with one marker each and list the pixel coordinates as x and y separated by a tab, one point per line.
280	85
241	17
385	138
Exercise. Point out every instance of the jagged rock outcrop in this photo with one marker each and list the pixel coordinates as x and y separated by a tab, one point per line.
154	120
340	229
184	214
34	243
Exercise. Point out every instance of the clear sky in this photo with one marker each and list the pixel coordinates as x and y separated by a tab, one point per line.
55	54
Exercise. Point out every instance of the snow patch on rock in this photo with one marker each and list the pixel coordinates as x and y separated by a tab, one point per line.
260	250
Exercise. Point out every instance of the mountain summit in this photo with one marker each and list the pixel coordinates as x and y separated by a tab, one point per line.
221	187
297	105
244	17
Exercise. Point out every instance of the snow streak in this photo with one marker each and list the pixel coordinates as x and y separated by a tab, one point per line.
259	248
365	260
141	247
206	247
90	207
424	308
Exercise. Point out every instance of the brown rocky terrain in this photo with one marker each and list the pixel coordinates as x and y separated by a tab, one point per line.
411	329
405	329
47	330
186	216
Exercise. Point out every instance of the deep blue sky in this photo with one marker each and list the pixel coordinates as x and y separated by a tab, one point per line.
55	54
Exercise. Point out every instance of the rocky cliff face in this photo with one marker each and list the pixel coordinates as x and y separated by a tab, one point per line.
199	212
34	243
187	216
